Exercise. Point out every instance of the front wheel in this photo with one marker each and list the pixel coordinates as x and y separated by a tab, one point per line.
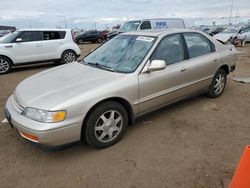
218	85
105	125
5	65
68	56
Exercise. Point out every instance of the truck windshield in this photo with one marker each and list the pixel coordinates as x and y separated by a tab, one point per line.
123	53
129	26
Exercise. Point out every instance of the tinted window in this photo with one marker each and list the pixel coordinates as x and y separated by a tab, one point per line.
170	50
53	35
29	36
197	44
145	25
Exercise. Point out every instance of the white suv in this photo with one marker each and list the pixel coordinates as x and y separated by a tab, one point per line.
37	45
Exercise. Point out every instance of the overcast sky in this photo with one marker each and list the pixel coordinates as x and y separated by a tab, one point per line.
91	13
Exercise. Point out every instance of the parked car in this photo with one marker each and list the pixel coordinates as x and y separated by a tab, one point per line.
128	76
227	36
158	23
244	34
90	36
214	30
36	45
4	33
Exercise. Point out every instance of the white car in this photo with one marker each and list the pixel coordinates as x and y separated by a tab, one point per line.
37	45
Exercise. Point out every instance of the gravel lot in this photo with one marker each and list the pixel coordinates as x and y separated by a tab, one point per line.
195	143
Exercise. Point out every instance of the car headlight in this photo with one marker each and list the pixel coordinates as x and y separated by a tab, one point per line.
44	115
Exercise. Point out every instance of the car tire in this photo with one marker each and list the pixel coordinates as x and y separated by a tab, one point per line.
105	125
5	65
80	41
218	85
68	56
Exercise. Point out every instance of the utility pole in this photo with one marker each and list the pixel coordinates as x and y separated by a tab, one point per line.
230	18
65	22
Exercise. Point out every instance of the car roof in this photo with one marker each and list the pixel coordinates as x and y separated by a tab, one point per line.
158	32
46	29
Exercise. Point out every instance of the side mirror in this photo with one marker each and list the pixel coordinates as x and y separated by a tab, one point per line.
155	65
19	40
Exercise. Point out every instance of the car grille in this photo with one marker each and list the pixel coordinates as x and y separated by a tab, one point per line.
16	106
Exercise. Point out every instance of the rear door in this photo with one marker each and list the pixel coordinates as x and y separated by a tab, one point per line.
203	61
52	40
164	86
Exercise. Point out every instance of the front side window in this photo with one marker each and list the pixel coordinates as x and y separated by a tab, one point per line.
145	25
170	50
29	36
197	45
10	37
123	54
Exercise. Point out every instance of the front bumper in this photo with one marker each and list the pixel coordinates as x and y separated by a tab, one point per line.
49	134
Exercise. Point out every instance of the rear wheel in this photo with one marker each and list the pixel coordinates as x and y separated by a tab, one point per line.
5	65
105	125
68	56
218	85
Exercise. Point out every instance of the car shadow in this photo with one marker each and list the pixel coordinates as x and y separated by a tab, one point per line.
82	146
33	66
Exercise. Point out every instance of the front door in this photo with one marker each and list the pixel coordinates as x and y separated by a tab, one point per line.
29	49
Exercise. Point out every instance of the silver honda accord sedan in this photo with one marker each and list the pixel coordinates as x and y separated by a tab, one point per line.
132	74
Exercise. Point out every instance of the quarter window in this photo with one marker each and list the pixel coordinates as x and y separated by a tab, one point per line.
53	35
197	45
170	50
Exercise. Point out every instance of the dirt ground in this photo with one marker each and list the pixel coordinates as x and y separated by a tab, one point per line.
196	143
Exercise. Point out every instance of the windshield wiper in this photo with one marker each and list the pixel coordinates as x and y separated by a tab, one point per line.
105	67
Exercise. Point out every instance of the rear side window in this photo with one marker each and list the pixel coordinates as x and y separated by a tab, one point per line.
145	25
29	36
170	50
53	35
198	45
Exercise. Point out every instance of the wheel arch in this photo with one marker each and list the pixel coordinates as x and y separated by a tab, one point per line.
225	68
121	101
11	61
69	49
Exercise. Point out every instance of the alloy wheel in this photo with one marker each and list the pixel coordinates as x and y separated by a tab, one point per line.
69	57
4	66
219	84
108	126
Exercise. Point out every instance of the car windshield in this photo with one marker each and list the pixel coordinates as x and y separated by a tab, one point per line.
123	53
10	37
230	30
129	26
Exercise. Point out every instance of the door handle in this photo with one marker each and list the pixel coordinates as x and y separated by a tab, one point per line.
183	70
8	46
38	45
215	60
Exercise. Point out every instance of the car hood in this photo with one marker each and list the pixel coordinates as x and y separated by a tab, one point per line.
224	37
54	86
